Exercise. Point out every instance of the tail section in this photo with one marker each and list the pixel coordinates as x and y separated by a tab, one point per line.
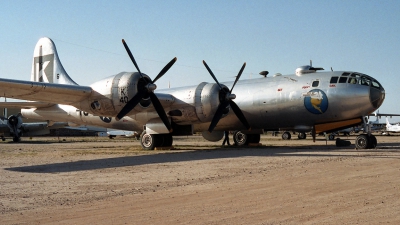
46	66
388	125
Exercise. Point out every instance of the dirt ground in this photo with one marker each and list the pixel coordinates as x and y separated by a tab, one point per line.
102	181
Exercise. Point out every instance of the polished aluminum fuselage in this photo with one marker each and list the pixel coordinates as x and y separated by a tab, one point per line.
269	103
273	103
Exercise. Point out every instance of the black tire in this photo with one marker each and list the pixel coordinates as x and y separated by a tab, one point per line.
362	141
286	135
301	135
253	138
167	140
372	141
331	137
240	138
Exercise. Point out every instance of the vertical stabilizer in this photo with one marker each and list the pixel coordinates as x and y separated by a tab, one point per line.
46	66
388	125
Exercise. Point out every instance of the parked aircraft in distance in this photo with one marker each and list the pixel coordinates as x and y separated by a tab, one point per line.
307	100
14	127
392	127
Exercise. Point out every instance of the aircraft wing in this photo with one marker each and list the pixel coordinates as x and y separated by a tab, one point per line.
44	92
383	114
25	105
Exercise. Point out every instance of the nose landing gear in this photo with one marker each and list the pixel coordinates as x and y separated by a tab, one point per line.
366	141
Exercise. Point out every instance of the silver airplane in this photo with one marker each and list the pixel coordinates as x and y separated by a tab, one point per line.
14	127
307	100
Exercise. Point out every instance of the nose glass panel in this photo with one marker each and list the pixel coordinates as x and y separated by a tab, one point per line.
376	94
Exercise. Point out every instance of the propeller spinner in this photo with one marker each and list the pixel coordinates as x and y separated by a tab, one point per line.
227	100
146	87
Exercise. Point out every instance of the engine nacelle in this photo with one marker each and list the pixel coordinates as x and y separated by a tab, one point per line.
111	94
206	101
213	136
198	103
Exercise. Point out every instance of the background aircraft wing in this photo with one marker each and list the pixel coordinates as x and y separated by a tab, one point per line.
44	92
383	114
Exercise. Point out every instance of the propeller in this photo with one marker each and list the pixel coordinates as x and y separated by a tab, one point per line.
146	88
227	100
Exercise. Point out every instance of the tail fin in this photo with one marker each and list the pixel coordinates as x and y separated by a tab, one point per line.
46	66
388	125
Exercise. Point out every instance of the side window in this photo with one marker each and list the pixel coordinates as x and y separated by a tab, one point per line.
334	80
315	83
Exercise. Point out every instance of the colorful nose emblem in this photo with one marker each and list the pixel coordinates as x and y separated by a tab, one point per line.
316	101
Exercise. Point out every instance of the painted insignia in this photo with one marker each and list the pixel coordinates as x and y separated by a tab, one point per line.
106	119
316	101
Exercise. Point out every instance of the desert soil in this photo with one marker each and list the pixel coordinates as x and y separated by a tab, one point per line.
102	181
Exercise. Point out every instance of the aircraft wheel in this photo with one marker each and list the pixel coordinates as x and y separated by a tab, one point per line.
286	135
148	141
331	137
362	141
372	141
301	135
16	139
3	138
253	138
167	140
240	138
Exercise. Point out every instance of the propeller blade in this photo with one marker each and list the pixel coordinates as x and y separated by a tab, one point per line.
218	115
160	110
211	73
131	56
239	114
238	76
165	69
131	104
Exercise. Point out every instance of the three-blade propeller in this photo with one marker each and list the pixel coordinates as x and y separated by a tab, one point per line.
146	88
226	101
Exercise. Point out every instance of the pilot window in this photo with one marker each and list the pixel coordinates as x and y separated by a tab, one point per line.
364	81
345	74
353	79
334	80
342	79
375	84
315	83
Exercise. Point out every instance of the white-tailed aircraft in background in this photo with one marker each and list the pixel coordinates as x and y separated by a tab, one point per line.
307	100
392	127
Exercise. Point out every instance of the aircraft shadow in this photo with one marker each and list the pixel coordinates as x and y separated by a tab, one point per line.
170	157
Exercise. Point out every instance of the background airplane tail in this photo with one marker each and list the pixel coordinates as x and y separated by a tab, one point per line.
388	125
46	66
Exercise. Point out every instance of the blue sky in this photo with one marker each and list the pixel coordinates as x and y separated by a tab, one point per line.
277	36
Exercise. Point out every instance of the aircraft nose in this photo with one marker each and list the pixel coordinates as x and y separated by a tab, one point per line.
376	94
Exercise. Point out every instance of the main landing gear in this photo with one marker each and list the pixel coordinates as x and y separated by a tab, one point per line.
241	139
150	141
